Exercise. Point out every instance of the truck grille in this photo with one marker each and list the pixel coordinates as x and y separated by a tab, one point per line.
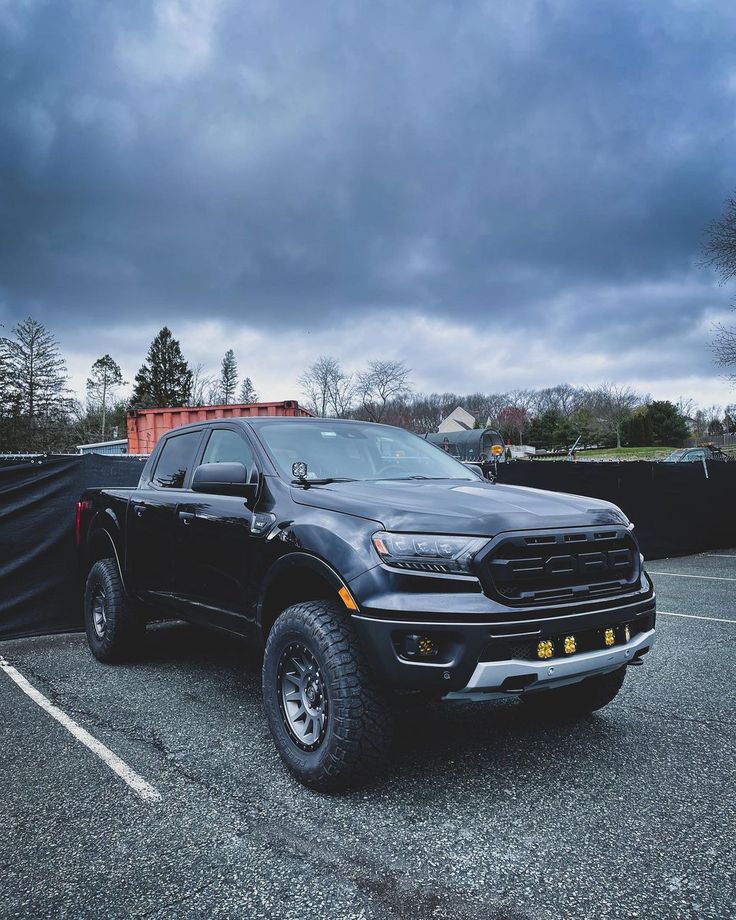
560	566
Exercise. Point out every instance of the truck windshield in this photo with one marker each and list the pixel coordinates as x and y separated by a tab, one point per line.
356	450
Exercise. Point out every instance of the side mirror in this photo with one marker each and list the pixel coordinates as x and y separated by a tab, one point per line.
223	479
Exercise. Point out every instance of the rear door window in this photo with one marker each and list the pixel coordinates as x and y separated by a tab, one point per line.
177	456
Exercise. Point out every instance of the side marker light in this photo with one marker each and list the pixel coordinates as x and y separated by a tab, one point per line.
347	598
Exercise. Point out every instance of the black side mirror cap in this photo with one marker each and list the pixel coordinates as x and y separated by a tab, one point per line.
223	479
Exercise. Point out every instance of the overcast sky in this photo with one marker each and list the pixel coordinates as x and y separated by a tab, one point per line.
503	194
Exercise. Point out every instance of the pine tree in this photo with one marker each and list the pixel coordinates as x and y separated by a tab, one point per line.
228	377
164	378
36	378
247	392
104	379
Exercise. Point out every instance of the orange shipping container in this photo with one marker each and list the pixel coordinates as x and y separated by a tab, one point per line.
145	426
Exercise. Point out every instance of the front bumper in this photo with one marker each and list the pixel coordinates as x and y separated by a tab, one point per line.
499	657
529	676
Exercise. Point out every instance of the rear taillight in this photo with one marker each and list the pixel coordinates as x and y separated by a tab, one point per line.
81	508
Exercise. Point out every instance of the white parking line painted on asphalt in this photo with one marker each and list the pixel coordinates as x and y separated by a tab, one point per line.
694	616
721	555
683	575
136	782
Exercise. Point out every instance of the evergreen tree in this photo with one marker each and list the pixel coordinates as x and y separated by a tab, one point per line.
228	376
247	392
35	384
164	378
668	427
104	379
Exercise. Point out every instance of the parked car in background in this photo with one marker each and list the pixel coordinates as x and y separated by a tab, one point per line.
696	455
368	565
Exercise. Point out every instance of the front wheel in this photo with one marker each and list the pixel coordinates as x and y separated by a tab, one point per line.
576	700
329	720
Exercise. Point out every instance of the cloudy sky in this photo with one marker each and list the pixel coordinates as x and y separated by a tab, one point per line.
503	194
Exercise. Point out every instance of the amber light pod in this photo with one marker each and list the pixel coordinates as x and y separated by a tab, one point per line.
571	645
609	637
545	648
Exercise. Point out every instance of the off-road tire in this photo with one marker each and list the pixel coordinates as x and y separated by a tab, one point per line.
357	732
576	700
122	633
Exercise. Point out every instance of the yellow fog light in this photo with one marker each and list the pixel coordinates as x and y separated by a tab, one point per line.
545	648
609	636
570	645
627	633
427	648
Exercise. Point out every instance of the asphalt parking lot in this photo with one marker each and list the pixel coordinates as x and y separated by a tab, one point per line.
485	812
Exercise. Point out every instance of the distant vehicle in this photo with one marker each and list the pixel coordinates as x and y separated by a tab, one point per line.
477	445
365	563
696	455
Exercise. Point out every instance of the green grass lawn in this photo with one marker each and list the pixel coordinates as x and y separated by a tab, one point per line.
626	453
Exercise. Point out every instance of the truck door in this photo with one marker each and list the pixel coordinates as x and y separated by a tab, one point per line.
216	554
151	518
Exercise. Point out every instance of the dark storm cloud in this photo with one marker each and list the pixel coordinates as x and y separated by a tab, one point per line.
547	163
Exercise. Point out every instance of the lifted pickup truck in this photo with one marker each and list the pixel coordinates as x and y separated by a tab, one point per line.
369	564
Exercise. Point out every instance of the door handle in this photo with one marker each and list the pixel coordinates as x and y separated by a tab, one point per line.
186	517
140	510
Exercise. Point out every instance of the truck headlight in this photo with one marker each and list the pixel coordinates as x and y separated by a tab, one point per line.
423	552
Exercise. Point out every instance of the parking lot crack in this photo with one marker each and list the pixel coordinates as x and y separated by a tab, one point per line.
669	717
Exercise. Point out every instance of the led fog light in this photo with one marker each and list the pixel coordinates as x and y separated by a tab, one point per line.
545	648
609	637
420	647
571	645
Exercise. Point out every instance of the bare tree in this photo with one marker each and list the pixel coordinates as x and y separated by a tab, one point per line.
613	406
105	377
202	386
513	420
720	254
381	383
329	391
724	348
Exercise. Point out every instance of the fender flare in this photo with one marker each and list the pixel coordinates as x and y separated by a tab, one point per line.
296	560
96	532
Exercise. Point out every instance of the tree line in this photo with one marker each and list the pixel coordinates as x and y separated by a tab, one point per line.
551	417
39	413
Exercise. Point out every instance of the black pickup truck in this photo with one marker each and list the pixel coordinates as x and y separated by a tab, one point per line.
369	565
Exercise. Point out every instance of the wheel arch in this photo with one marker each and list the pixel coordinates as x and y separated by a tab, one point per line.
101	544
296	577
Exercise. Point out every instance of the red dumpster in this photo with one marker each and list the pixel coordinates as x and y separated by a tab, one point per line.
145	426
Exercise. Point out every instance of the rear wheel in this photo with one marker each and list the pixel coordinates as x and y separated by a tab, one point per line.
113	623
329	720
578	699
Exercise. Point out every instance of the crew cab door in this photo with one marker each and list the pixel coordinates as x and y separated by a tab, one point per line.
217	556
151	518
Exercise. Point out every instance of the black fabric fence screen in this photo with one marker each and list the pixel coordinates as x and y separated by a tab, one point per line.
39	580
676	509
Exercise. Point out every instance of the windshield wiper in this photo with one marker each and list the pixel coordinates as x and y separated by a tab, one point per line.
321	482
416	476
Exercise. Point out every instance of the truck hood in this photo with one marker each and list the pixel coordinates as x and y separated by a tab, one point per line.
459	507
